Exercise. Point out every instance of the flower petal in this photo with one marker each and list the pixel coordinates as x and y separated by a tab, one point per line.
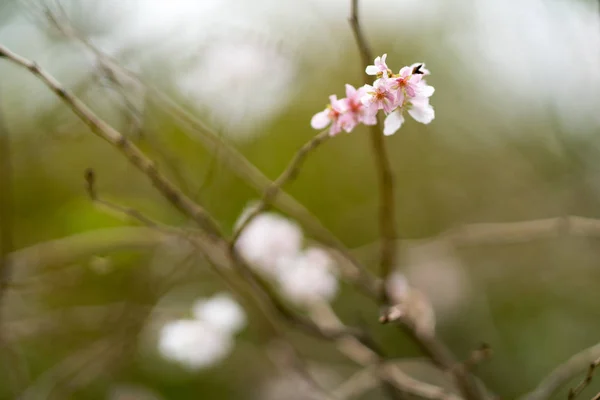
320	120
422	112
392	123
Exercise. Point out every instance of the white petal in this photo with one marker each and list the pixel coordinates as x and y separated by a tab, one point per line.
425	90
320	120
422	112
372	70
221	312
392	123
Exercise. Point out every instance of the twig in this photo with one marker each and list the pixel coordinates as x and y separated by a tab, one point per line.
111	135
365	356
228	155
387	220
476	357
90	180
564	373
289	174
574	392
387	211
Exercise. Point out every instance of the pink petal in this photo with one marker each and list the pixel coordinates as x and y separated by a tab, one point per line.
350	91
405	71
392	123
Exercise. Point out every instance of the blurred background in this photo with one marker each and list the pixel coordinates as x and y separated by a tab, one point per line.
516	138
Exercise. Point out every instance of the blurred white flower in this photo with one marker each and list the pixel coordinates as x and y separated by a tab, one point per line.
307	277
194	344
268	239
221	312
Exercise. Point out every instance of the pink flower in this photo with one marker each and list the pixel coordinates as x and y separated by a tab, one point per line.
410	81
356	112
331	115
380	67
392	93
380	96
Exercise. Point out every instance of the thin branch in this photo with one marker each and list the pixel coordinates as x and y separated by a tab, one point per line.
387	220
289	174
226	153
387	211
564	373
111	135
576	391
90	180
324	316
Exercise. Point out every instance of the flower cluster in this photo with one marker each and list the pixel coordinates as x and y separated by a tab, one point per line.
272	245
205	339
392	93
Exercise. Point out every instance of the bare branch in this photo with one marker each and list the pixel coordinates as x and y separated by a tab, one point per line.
131	152
576	391
387	220
564	373
90	180
226	154
382	370
289	174
387	211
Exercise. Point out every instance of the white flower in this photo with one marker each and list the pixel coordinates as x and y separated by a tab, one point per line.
268	239
307	277
194	344
221	312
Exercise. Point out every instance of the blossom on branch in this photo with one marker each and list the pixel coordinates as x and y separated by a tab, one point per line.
392	93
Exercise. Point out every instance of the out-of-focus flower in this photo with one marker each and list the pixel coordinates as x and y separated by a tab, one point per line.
268	239
409	305
308	277
379	68
220	312
194	344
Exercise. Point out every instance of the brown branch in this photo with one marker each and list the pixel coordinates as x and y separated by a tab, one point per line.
229	156
387	211
129	150
90	187
576	391
387	220
383	370
565	372
289	174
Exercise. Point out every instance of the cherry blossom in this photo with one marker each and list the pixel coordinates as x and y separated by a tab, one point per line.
267	239
381	96
308	277
221	312
379	68
193	344
330	115
392	93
